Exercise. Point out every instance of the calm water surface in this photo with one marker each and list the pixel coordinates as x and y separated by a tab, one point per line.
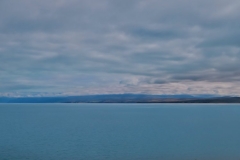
120	131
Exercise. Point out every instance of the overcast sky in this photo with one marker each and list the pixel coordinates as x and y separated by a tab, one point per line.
77	47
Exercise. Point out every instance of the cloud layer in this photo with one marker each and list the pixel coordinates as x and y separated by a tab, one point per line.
69	47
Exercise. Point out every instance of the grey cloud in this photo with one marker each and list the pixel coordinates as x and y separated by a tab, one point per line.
157	81
208	76
222	41
152	46
145	33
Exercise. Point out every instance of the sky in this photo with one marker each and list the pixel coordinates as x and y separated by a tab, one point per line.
82	47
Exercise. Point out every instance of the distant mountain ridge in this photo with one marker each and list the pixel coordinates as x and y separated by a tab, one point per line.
124	98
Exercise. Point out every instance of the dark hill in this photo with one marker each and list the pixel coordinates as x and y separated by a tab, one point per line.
124	98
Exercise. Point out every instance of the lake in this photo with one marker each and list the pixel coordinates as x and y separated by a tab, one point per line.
120	131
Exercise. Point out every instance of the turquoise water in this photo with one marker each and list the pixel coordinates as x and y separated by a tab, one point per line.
120	131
